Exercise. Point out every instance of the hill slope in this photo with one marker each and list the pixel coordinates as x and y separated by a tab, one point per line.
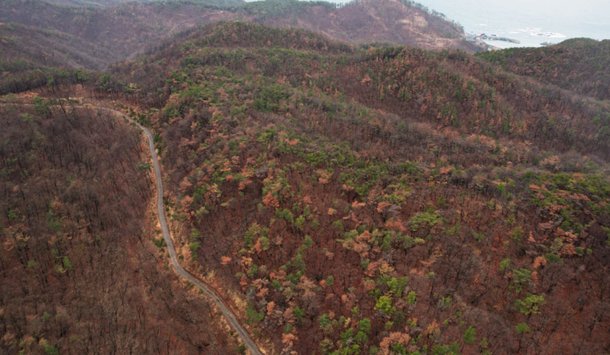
358	200
580	65
124	30
49	48
449	89
79	272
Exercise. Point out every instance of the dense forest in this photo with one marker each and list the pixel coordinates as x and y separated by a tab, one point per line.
342	198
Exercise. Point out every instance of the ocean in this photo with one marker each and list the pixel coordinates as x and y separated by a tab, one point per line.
530	23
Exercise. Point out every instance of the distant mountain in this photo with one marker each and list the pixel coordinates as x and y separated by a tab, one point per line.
32	57
366	21
581	65
42	47
124	29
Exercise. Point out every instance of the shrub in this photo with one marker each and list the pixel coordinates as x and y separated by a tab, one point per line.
194	246
285	214
252	271
299	314
470	335
522	328
398	348
411	297
265	242
423	220
307	242
255	231
268	99
32	264
160	242
53	222
504	264
267	136
253	316
50	349
450	349
338	226
42	106
521	278
479	237
67	263
517	234
299	222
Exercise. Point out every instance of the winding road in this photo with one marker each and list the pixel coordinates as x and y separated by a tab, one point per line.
207	290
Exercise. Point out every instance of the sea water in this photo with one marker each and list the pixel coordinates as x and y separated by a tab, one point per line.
531	23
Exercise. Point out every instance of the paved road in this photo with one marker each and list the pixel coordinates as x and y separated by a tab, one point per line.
207	290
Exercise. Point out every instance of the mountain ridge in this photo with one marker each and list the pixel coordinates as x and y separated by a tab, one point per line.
579	65
127	29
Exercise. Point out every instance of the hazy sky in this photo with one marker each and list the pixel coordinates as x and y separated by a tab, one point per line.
563	8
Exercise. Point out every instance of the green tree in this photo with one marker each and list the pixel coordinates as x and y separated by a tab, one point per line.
384	304
530	304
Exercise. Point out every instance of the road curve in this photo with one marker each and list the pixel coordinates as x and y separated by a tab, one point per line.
207	290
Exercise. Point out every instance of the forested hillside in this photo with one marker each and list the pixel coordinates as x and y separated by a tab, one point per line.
49	48
342	195
382	199
123	30
79	272
579	65
109	31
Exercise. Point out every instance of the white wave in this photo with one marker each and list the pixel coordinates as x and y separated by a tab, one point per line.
538	32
